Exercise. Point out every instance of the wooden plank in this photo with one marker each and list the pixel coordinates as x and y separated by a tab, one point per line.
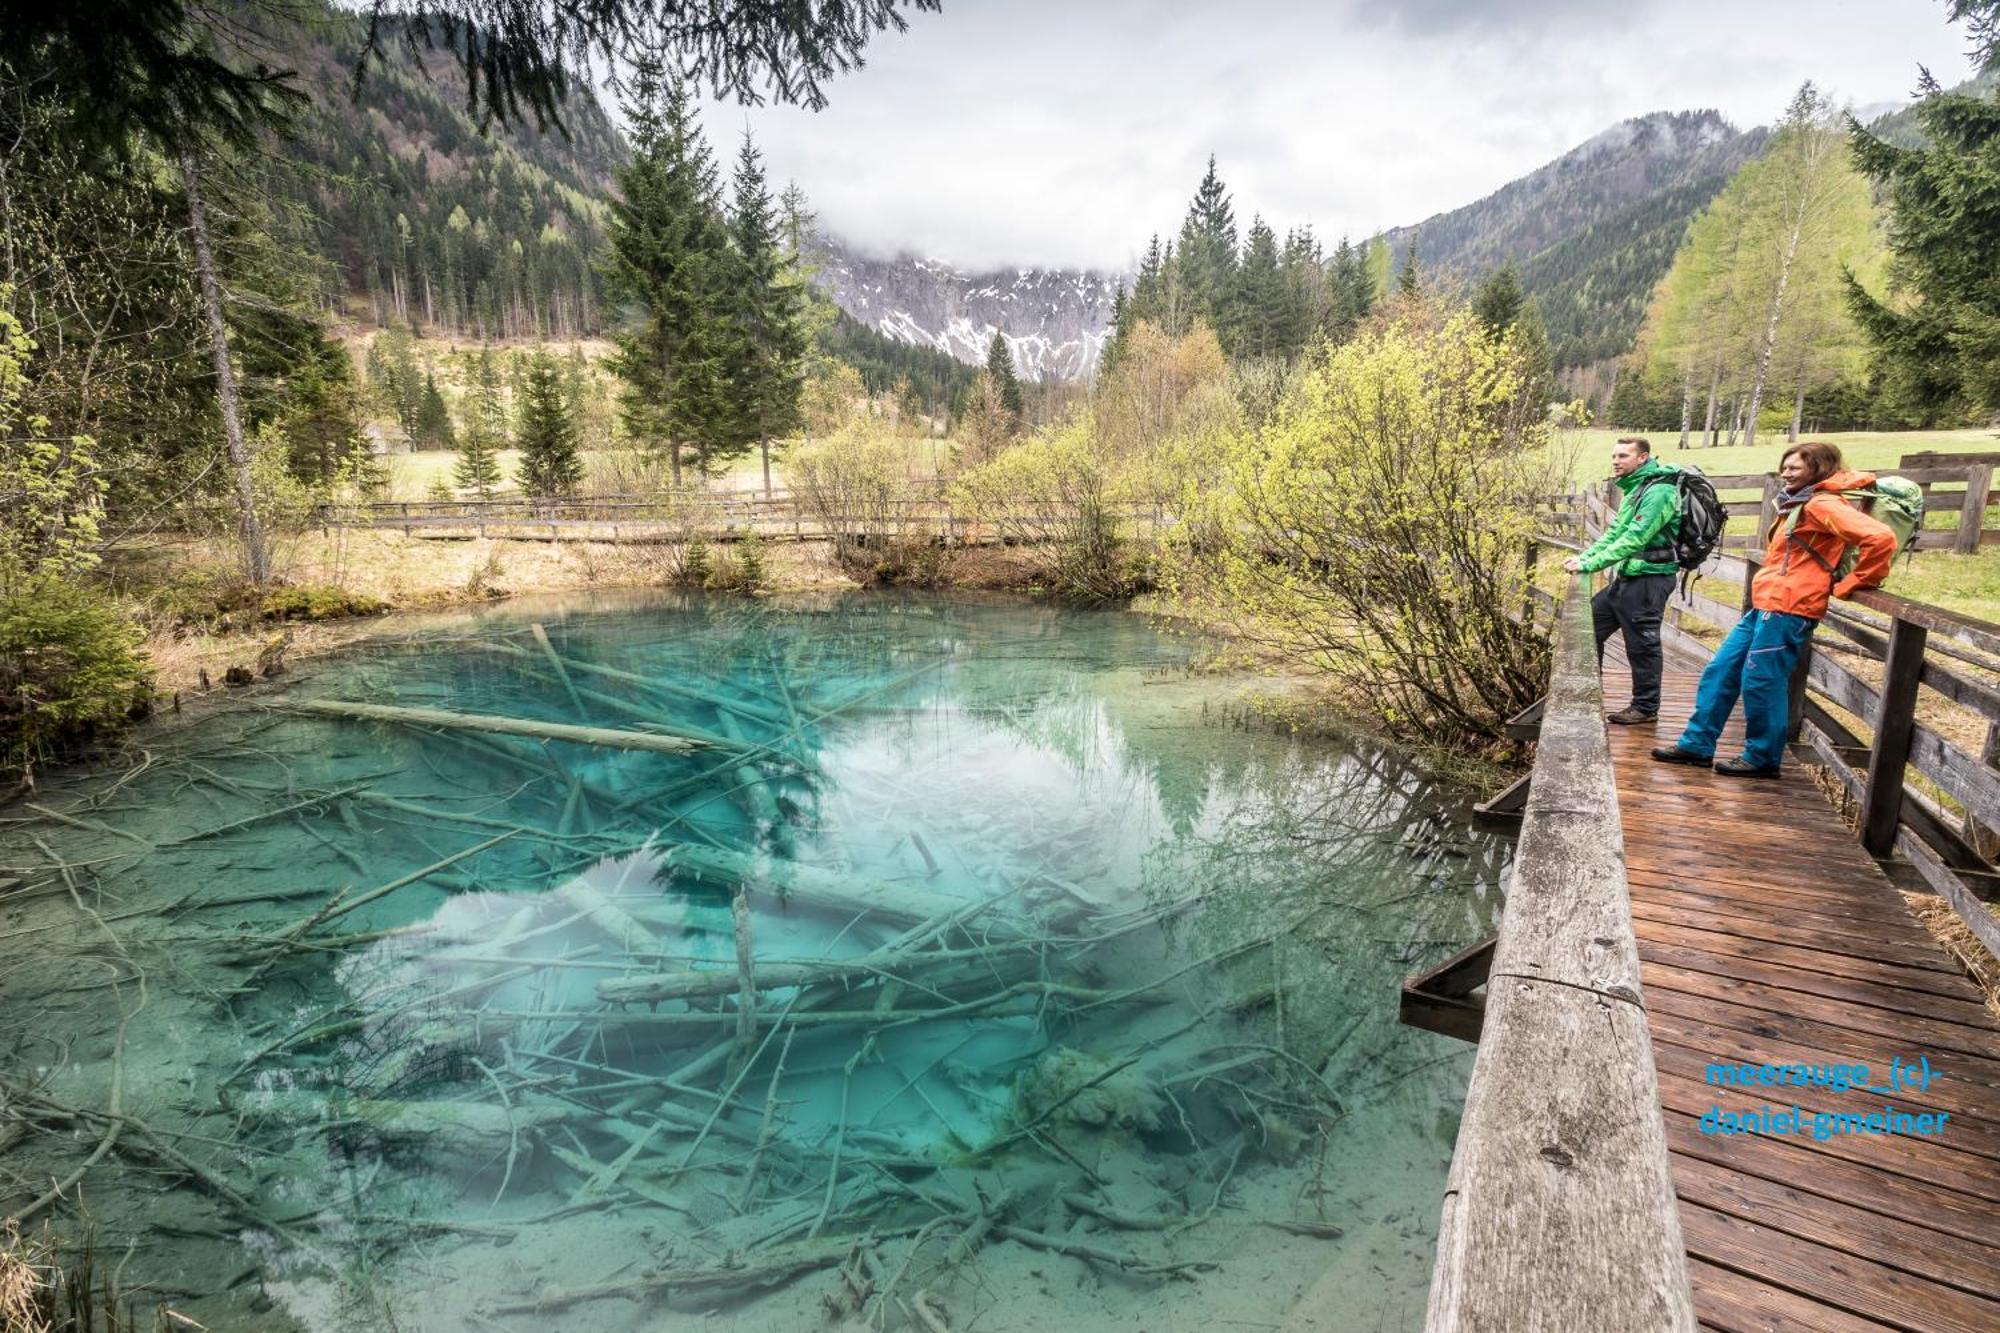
1915	1249
1862	1287
1917	1033
1858	1185
1831	1040
1967	904
1913	950
1561	1149
1732	1303
1967	1132
1823	912
1893	999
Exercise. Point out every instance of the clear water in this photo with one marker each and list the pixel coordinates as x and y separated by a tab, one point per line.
1073	999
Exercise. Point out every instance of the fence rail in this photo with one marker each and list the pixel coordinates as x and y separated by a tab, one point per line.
1559	1211
1855	705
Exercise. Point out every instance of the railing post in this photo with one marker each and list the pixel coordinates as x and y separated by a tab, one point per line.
1795	695
1895	725
1972	518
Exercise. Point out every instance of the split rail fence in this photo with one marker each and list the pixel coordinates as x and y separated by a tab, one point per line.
1928	802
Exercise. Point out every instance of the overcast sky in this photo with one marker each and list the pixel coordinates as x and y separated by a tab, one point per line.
1038	132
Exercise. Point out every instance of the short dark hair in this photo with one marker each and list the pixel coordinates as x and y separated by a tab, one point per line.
1822	459
1645	445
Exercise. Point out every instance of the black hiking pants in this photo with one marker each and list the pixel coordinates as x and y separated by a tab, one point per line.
1635	606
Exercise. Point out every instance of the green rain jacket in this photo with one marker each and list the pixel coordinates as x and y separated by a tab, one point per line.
1646	524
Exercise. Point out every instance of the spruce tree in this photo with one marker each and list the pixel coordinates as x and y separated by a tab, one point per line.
1308	295
1120	333
1351	292
1262	320
1408	283
433	422
478	467
668	264
550	464
767	345
1939	347
1000	365
1207	262
1499	300
484	431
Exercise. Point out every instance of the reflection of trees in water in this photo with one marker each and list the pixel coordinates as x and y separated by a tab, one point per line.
935	1072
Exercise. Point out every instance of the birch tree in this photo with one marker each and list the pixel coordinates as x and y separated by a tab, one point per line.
1803	174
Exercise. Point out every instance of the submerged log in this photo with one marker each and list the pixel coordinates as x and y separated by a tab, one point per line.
812	886
694	985
605	737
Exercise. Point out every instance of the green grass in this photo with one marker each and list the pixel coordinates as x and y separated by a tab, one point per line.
1874	451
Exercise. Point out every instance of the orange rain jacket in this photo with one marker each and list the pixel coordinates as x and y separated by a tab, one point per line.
1792	581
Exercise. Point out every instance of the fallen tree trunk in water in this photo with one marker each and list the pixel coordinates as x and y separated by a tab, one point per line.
604	737
812	886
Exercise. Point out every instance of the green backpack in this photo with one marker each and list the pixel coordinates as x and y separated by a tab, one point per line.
1895	502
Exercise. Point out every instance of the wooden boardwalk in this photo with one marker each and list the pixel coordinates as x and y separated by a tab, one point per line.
1767	935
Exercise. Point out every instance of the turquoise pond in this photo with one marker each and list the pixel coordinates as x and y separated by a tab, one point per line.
872	962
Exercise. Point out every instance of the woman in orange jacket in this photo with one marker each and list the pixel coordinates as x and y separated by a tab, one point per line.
1804	547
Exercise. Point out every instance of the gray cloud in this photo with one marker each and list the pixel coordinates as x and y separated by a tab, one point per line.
1041	133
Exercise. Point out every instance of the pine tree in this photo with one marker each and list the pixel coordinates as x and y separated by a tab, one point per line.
1351	291
1000	365
1261	320
768	343
484	431
1308	295
433	422
1939	352
669	263
1408	283
1499	300
317	413
550	464
1119	335
1206	262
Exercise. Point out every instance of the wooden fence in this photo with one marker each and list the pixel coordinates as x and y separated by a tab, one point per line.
1970	475
1922	796
711	516
1559	1211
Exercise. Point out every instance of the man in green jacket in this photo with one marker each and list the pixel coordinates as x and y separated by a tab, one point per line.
1640	543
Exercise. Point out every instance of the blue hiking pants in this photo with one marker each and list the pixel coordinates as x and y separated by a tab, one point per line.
1755	662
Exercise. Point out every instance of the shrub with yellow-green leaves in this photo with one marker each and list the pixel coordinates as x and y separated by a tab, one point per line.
1377	528
1057	494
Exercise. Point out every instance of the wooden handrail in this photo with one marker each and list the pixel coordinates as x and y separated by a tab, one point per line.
1559	1212
1918	645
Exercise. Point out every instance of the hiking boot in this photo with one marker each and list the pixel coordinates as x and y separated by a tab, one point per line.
1632	717
1674	754
1736	768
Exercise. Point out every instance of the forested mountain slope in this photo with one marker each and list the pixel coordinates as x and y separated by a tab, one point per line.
1594	230
432	223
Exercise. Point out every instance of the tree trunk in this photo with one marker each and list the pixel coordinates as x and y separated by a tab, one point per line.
1770	341
764	444
1735	419
1798	410
1687	402
1708	426
256	555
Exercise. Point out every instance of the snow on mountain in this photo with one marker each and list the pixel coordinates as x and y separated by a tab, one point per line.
1055	320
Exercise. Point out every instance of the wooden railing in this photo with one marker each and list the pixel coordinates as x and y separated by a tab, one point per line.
1559	1212
1970	474
1927	807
